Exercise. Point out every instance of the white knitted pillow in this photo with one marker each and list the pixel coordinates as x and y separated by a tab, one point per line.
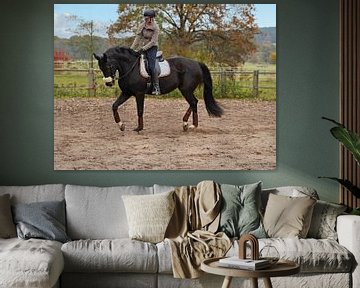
149	215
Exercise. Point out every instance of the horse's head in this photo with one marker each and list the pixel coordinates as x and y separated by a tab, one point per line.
108	68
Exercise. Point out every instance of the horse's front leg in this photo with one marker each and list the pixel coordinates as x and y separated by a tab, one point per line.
140	111
120	100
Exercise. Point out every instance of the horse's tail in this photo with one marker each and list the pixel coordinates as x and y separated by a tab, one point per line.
212	107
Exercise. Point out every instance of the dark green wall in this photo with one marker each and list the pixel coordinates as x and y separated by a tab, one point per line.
307	32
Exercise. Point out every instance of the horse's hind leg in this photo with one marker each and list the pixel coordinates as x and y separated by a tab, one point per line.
190	98
186	118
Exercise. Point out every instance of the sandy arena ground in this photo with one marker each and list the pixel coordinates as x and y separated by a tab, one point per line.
87	138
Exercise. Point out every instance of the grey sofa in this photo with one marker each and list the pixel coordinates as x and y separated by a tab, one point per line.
101	254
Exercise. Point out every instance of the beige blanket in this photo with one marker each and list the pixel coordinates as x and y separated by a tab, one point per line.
191	231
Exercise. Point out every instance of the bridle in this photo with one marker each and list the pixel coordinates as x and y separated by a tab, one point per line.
113	77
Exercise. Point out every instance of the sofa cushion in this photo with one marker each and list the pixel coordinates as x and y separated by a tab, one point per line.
30	263
148	215
313	255
98	213
323	222
116	255
7	226
109	280
287	216
43	220
240	212
36	193
291	191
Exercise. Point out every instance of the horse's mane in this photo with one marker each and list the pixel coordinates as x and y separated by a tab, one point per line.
123	50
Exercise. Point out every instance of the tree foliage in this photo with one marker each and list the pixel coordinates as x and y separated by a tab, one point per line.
221	33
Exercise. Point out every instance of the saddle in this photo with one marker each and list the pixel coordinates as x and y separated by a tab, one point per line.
162	66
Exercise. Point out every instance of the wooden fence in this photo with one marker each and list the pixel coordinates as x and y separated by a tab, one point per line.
225	80
254	80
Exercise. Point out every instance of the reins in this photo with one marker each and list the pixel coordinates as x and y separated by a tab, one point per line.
131	68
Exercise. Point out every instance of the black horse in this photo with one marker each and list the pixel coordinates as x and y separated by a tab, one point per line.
186	74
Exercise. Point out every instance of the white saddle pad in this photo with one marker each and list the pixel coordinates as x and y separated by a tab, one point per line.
164	68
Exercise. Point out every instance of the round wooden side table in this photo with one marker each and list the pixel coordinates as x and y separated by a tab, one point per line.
281	268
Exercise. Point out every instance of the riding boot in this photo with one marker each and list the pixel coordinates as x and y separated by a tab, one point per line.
156	86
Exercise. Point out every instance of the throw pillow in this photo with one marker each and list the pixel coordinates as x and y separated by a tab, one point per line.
288	217
149	215
44	220
323	222
7	226
240	213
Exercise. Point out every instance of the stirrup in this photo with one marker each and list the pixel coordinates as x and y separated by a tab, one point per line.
156	90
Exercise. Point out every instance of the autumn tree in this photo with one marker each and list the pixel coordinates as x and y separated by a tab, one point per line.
222	33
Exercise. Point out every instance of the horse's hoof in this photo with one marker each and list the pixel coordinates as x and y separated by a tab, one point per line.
192	127
137	129
121	126
185	126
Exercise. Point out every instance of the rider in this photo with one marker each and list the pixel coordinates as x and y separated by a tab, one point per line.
147	38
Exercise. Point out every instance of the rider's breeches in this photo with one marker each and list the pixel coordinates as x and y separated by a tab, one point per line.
151	57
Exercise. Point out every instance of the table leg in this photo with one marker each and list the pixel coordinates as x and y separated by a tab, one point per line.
254	282
227	282
267	283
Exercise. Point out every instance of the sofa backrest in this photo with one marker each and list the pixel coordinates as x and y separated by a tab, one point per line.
36	193
98	212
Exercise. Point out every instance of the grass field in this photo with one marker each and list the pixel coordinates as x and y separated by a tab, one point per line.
227	83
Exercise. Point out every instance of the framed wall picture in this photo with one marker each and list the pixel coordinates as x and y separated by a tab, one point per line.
208	102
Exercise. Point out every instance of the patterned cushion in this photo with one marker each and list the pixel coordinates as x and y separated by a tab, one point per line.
323	223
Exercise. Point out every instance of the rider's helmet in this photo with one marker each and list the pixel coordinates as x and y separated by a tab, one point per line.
149	13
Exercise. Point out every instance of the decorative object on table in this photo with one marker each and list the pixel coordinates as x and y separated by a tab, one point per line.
241	261
254	246
269	253
351	142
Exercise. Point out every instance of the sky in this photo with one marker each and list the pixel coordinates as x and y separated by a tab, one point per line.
105	14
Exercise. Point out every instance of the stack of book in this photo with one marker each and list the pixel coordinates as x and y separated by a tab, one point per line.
248	264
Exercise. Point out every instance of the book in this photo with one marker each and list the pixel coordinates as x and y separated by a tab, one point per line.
249	264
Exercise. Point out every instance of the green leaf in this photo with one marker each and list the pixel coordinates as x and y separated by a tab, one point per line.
347	184
355	211
349	139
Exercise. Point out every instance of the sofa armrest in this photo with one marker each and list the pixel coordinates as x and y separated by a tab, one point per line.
348	230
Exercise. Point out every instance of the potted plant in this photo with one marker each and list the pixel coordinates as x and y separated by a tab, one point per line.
351	141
